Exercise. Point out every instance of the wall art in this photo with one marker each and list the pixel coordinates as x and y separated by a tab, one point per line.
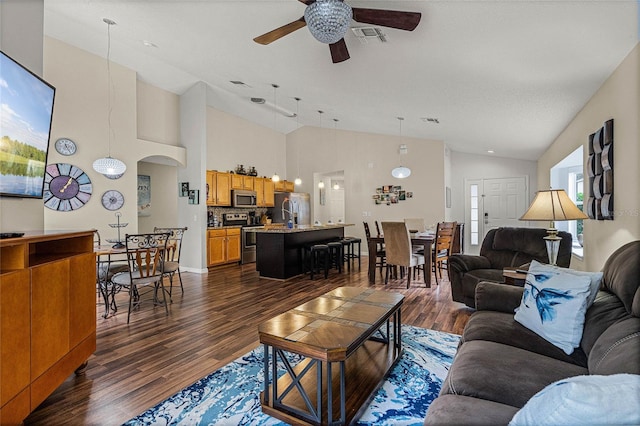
600	173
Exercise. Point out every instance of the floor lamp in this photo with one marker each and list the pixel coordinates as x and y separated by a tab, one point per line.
552	205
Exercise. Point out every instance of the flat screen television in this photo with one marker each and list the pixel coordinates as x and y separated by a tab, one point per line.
26	103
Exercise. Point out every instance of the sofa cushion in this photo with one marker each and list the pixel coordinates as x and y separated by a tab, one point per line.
617	350
554	305
584	400
502	328
605	311
464	410
502	373
622	276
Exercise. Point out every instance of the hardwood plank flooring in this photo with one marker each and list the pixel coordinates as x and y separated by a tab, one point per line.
139	364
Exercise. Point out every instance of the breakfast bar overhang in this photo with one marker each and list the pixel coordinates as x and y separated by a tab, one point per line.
279	251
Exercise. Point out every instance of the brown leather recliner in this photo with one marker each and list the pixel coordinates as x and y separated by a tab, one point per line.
501	247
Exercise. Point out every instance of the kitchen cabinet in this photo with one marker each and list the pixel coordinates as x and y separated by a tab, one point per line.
218	188
284	186
223	246
242	182
47	316
264	188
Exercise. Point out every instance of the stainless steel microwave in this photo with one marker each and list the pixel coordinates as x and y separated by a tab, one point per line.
242	198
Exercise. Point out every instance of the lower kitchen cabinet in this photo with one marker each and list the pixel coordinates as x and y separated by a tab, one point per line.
223	246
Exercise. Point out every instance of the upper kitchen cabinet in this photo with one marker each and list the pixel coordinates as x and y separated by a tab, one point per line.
284	186
242	182
264	188
218	188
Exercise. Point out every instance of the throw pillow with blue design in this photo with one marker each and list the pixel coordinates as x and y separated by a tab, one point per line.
553	305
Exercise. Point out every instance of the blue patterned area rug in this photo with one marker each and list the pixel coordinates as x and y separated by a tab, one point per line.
231	395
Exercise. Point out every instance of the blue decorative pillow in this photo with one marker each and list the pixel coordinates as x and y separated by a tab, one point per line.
595	277
584	400
553	305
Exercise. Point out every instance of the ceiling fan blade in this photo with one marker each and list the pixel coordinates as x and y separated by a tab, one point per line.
307	2
274	35
407	21
339	51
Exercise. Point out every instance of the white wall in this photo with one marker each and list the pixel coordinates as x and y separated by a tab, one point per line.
158	114
617	98
164	200
233	140
81	113
367	160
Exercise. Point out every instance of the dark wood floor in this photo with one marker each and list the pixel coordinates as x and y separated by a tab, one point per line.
140	364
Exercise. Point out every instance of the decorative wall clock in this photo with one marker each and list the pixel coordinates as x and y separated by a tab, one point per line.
66	187
112	200
66	146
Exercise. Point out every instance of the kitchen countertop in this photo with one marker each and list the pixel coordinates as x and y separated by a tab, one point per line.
223	227
298	228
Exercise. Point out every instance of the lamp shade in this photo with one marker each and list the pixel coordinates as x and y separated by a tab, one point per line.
552	205
109	166
328	20
401	172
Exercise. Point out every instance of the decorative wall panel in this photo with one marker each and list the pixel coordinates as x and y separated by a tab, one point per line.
600	172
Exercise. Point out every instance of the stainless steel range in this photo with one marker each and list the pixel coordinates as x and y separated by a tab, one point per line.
248	238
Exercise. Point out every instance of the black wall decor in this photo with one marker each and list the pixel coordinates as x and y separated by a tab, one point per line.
600	172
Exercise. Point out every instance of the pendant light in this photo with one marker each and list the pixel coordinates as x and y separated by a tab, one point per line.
298	181
275	177
109	166
401	172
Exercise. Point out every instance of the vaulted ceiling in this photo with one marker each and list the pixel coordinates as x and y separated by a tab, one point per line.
501	75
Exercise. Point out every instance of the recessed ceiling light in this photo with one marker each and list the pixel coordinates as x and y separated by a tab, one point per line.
240	83
149	43
491	151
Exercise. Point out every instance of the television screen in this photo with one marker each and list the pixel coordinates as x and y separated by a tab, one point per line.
26	109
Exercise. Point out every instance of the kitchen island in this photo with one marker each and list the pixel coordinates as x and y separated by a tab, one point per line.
279	251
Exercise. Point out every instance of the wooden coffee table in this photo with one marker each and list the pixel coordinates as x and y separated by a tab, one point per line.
356	328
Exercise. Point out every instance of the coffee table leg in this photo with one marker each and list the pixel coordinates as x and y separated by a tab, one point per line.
266	373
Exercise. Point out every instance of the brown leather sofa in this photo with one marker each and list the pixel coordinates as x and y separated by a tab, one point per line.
500	248
500	364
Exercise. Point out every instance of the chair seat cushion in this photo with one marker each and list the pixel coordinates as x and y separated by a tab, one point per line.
123	278
170	267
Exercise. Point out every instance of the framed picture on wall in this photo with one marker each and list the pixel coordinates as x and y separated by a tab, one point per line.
144	195
194	196
183	189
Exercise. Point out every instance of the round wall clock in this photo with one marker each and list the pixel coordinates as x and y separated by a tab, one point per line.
66	187
66	146
112	200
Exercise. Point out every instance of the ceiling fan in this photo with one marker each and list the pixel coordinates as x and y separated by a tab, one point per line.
329	20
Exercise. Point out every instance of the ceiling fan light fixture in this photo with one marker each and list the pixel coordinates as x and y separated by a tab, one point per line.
328	20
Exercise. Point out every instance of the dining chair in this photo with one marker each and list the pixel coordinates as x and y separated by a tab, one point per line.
415	224
378	229
380	253
172	254
397	243
145	257
442	248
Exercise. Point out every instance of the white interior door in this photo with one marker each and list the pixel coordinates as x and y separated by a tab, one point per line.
492	203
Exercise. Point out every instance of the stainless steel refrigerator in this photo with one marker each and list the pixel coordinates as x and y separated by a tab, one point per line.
292	205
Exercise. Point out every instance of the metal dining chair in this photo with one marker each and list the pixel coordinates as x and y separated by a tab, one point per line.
145	257
172	257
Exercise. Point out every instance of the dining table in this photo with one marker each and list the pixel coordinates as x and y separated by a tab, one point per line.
417	239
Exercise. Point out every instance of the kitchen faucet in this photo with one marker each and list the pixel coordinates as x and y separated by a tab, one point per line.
292	214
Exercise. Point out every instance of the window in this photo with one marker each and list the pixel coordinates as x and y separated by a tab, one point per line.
473	188
568	175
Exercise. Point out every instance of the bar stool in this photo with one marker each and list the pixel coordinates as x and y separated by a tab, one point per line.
336	256
351	253
346	251
317	253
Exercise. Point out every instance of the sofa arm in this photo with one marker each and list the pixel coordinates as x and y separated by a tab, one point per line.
497	297
466	262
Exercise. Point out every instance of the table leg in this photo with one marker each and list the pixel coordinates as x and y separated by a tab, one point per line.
427	265
372	262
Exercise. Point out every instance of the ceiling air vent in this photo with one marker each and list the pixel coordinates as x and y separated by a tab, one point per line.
366	34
